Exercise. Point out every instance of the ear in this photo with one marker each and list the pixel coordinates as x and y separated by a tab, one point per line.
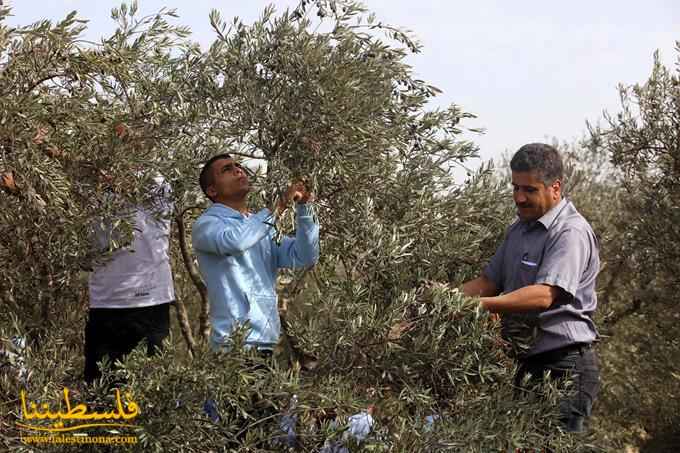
210	190
557	187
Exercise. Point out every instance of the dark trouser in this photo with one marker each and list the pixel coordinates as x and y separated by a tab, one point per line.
579	362
114	332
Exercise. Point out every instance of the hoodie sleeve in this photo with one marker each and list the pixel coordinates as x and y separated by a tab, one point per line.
217	236
303	250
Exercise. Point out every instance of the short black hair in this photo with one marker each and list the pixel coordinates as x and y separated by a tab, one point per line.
206	176
544	159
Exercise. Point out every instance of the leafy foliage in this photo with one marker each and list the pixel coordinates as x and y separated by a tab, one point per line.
321	92
642	143
235	401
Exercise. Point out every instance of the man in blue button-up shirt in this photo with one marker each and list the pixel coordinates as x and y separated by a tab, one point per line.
239	258
545	271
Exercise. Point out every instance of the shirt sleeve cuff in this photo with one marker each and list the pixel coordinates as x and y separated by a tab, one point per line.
488	273
304	210
556	280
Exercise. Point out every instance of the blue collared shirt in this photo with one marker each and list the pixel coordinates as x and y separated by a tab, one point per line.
559	249
239	259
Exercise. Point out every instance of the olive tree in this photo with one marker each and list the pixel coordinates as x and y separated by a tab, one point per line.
642	143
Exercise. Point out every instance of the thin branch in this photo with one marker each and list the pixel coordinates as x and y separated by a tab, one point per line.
204	325
42	80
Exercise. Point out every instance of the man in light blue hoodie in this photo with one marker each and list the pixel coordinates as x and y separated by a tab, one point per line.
239	258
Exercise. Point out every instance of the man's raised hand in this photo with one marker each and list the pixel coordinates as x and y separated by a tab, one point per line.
296	192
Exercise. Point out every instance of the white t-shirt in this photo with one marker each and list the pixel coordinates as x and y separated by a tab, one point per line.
137	275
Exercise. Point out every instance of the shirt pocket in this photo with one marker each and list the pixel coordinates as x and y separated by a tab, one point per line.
527	270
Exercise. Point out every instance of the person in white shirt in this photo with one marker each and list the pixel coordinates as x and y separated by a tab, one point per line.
130	294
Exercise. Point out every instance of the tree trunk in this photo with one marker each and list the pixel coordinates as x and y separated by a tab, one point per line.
185	325
204	325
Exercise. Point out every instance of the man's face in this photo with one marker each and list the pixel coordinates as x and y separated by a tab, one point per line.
532	197
229	181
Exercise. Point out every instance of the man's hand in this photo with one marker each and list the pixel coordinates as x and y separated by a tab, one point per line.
296	192
479	287
493	316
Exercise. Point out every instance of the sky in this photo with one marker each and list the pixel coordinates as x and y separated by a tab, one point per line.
530	70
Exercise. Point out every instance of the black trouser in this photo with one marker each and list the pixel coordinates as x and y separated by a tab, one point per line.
114	332
579	362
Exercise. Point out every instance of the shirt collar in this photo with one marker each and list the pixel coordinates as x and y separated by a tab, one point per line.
226	210
549	217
